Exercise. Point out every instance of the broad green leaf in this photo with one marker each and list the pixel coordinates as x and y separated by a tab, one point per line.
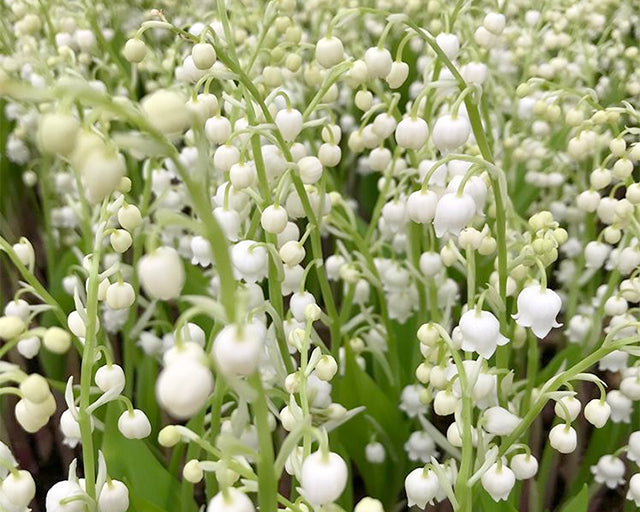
579	503
133	462
357	388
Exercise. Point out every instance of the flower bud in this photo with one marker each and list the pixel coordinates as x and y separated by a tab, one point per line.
57	133
326	368
192	471
129	217
204	55
35	388
120	296
166	111
169	436
56	340
134	424
11	327
134	50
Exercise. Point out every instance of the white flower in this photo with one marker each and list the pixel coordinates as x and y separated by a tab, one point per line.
19	488
237	348
453	213
634	489
633	452
110	377
421	487
120	296
183	387
421	206
500	422
250	260
289	122
449	44
450	132
323	477
162	273
609	471
481	333
538	308
595	254
498	481
412	133
572	406
329	51
420	446
134	424
597	412
368	504
614	361
63	491
231	500
563	438
378	61
114	497
621	407
524	466
578	328
375	452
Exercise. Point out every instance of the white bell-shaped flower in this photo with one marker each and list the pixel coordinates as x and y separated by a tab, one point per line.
524	466
500	422
114	497
634	489
453	212
633	451
420	446
323	477
421	206
237	348
250	260
498	481
162	274
421	487
450	132
61	492
563	438
597	412
231	500
537	309
481	333
183	387
610	471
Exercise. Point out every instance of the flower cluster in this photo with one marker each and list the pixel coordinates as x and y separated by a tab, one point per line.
295	247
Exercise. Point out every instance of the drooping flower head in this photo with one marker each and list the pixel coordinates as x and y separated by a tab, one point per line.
537	309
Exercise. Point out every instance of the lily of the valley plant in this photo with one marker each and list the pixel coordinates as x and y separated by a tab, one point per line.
321	255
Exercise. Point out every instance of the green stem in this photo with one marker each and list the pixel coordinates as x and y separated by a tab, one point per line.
267	481
88	360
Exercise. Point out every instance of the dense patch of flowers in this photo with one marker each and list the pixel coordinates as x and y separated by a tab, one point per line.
306	252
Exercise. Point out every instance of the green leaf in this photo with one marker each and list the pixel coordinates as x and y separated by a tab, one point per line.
131	461
383	481
489	505
579	503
